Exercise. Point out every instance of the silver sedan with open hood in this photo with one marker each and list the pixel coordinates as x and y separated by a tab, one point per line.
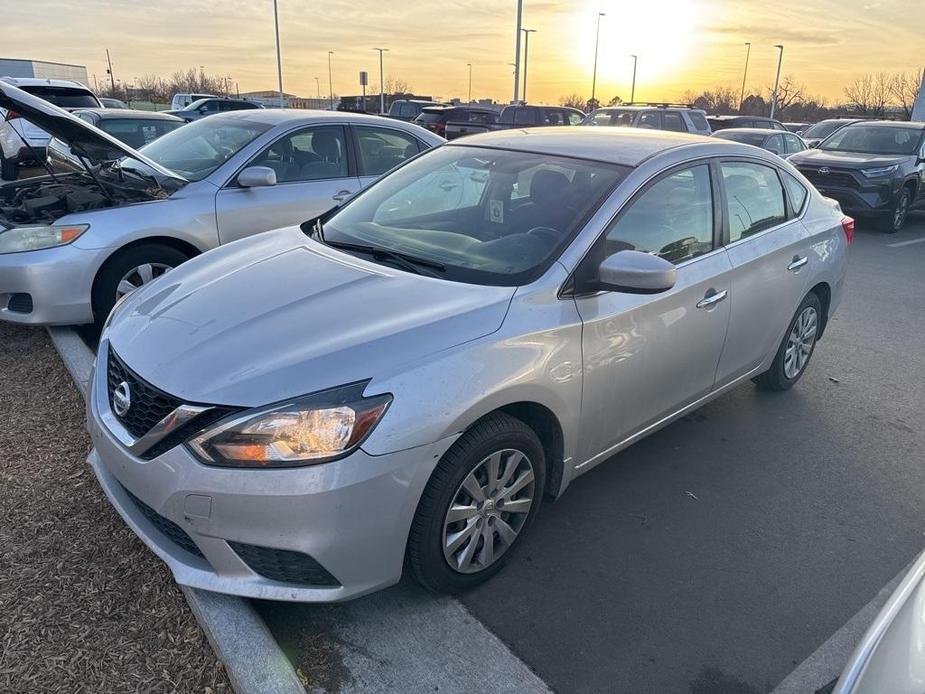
72	244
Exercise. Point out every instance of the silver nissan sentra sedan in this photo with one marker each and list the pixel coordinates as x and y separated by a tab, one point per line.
293	415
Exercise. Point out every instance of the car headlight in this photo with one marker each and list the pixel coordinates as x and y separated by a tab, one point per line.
304	431
880	171
19	239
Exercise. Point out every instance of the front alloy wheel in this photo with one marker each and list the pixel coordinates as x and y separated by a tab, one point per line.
140	276
896	218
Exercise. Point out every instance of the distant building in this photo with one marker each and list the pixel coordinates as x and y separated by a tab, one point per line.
41	69
270	99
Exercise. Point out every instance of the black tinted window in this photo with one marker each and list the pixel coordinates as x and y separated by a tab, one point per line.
754	198
671	120
523	116
65	97
648	119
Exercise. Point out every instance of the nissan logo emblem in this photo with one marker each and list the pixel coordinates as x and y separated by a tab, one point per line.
824	171
121	399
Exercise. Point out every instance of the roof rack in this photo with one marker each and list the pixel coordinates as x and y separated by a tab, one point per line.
657	104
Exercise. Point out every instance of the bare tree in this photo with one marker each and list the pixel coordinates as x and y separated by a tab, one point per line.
868	94
904	88
615	101
574	101
151	87
719	100
394	85
789	94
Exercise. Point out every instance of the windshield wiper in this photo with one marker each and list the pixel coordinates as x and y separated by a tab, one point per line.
404	260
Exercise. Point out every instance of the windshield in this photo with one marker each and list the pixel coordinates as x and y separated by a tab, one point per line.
874	139
823	128
747	138
64	97
485	216
196	150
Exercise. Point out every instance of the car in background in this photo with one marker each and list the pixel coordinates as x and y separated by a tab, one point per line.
675	117
519	116
797	127
782	144
23	142
438	118
408	109
401	383
181	100
872	168
211	106
722	122
815	134
112	103
134	128
71	246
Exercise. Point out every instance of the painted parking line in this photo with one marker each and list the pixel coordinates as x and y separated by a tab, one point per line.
906	243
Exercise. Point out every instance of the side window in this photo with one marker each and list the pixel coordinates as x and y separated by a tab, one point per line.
793	144
523	116
754	198
774	144
311	154
381	149
671	120
777	126
552	117
698	119
673	219
211	106
796	191
574	118
601	118
648	119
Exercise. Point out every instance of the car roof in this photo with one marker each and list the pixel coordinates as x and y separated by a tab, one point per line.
128	113
651	107
37	82
761	131
916	125
625	146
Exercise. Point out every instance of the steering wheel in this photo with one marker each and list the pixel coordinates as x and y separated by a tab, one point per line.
547	233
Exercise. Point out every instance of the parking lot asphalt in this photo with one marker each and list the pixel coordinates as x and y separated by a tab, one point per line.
716	555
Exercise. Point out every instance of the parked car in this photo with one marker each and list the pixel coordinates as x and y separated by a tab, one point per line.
23	142
815	134
519	116
890	655
209	107
873	168
723	122
298	415
408	109
438	118
71	247
112	103
180	101
134	128
781	144
675	117
797	127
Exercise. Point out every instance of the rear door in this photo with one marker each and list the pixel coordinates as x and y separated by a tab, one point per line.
379	149
770	254
313	173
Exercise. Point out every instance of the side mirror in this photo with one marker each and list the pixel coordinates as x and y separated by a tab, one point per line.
257	177
635	272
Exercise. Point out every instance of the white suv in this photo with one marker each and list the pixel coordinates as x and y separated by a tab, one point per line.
20	140
657	116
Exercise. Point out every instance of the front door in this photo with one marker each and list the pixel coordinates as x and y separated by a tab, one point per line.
646	356
312	176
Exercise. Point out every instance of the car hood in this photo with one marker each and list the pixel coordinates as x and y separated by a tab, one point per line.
278	315
96	145
845	160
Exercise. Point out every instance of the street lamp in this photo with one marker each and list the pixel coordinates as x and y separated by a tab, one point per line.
597	40
330	79
381	81
745	74
470	81
780	59
318	87
279	56
527	33
520	12
633	88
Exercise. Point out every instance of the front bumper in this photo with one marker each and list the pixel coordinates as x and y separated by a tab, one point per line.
57	280
856	194
351	516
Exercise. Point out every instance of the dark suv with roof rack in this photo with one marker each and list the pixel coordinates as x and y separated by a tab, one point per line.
872	168
438	119
682	118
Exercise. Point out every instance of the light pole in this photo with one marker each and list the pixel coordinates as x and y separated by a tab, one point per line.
780	59
597	39
748	53
330	79
633	88
318	87
381	81
520	12
527	33
279	55
470	81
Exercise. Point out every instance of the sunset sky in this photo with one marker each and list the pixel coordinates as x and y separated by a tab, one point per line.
681	44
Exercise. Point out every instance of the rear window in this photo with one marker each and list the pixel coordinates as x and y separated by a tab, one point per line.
698	119
64	97
747	138
436	116
717	124
137	132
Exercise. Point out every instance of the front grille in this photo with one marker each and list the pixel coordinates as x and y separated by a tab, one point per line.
166	527
20	303
840	179
149	405
284	565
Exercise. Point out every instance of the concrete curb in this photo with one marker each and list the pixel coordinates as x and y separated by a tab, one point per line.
253	660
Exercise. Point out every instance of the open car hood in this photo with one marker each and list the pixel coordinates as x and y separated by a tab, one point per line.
82	137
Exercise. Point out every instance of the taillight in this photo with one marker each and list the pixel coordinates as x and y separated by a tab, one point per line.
10	115
440	129
847	224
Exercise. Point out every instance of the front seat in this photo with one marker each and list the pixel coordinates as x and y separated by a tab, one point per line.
548	205
332	163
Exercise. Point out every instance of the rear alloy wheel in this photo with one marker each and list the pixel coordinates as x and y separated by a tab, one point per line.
896	218
797	347
478	504
129	270
9	169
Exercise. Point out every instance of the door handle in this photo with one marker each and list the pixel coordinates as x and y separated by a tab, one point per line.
341	195
797	263
710	300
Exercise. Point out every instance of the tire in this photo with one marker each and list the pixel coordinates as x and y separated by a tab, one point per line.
106	287
784	372
497	436
899	212
9	169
